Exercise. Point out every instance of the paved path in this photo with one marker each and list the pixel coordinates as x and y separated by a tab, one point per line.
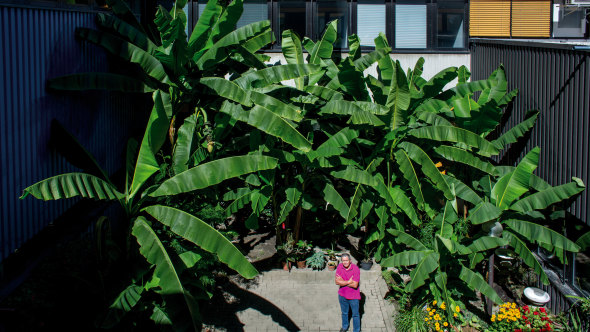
300	300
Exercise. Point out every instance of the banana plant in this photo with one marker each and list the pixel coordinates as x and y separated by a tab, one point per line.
516	199
143	198
440	269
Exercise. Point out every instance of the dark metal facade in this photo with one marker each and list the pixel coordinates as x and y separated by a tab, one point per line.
35	45
554	79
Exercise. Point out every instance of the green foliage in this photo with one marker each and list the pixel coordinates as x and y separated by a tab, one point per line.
316	261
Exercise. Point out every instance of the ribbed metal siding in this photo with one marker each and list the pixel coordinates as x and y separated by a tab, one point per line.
556	81
37	44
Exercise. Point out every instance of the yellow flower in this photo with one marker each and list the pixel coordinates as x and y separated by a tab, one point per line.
493	318
438	328
446	324
443	306
426	319
457	309
513	305
434	302
431	313
455	314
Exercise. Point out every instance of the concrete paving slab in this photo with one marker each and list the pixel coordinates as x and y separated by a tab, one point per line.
299	300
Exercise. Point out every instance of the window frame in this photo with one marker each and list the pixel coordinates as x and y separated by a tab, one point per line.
314	32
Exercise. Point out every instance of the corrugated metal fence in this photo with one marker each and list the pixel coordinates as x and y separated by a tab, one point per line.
554	79
38	44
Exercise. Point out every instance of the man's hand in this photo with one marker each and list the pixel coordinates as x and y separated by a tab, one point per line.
341	282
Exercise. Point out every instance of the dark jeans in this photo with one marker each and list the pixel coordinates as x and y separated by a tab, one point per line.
345	306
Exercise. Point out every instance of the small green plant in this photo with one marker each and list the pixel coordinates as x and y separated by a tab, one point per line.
302	250
317	260
413	319
286	250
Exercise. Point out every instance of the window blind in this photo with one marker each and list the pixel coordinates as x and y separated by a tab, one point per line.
370	21
410	26
254	11
489	18
531	18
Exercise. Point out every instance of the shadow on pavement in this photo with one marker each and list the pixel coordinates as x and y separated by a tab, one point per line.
229	299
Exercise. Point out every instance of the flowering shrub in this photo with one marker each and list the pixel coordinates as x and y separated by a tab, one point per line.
436	320
525	319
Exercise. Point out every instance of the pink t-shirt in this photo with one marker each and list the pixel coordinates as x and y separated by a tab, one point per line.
346	291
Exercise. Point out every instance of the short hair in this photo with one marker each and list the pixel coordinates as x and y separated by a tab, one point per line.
345	255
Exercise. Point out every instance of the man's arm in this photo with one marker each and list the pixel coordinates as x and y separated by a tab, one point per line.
352	283
340	282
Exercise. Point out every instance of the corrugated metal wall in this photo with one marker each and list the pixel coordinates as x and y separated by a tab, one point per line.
555	79
38	44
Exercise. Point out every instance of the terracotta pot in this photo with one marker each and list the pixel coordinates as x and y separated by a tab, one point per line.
331	267
286	266
301	264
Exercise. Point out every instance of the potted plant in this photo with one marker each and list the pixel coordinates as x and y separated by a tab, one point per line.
367	260
317	261
286	252
332	260
302	251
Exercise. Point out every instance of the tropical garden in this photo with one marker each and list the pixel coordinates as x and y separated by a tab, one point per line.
313	148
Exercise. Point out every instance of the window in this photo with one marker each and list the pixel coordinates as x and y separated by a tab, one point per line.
410	25
450	31
510	18
370	21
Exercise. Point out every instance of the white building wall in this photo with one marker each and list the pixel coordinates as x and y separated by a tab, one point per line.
432	65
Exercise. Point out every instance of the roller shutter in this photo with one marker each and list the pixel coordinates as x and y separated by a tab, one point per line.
489	18
531	18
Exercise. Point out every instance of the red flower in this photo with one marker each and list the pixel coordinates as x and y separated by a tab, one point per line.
535	313
283	225
526	308
542	310
518	330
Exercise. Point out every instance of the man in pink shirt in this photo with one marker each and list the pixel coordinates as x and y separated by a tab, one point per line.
348	277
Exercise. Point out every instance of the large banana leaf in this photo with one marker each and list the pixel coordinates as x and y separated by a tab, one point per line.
213	172
240	198
154	137
324	47
548	197
355	175
422	271
276	106
153	250
204	27
584	241
428	167
516	132
127	51
98	81
514	184
331	196
293	52
123	11
465	157
484	211
270	123
477	283
275	74
367	60
541	234
407	239
227	89
526	255
202	234
456	135
124	303
435	84
324	93
131	33
227	21
218	52
433	119
386	65
185	144
462	190
486	243
403	201
405	258
398	99
410	174
72	185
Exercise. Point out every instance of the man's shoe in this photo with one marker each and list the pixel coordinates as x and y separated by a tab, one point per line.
342	330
